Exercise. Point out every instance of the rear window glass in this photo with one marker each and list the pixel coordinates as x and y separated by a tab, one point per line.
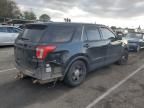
10	30
58	34
16	30
33	32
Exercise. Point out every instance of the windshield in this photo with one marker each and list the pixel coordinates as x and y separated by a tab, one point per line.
134	35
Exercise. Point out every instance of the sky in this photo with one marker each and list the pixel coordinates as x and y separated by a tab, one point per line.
121	13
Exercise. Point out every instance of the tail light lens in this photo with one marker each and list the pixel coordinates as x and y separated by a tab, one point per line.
43	51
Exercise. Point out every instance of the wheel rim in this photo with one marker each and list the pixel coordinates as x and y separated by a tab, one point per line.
124	58
78	72
138	48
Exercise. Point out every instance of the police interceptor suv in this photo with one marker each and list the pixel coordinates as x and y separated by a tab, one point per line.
66	51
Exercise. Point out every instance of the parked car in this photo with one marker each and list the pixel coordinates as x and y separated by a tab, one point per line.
8	34
66	51
135	41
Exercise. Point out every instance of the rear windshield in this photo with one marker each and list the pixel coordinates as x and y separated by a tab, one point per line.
58	34
48	34
33	33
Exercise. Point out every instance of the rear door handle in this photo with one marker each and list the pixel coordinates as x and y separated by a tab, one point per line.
86	45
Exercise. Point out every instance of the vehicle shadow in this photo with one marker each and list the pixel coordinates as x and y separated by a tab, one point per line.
100	72
7	46
21	93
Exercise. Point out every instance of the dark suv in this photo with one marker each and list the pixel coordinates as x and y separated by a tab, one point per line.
135	41
66	51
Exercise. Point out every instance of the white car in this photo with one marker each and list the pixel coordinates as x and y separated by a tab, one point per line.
8	34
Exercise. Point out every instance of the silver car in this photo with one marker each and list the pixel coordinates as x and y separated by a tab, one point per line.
8	34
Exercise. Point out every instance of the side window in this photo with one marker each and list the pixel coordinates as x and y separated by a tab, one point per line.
77	34
10	29
84	36
92	34
143	37
3	29
15	30
107	34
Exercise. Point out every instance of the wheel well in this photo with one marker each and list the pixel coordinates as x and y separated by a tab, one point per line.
82	59
86	63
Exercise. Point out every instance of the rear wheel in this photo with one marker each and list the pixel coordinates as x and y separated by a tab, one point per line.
76	74
124	58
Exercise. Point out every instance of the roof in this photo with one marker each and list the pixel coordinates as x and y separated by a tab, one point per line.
7	26
66	23
137	32
19	21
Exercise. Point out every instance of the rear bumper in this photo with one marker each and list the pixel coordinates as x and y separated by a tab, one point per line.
42	72
35	73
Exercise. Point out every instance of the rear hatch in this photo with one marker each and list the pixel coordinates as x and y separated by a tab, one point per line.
38	40
25	45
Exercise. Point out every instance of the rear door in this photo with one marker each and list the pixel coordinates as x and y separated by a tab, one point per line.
25	46
95	47
114	45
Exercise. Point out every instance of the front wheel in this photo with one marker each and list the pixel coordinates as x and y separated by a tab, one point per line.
124	58
138	48
76	74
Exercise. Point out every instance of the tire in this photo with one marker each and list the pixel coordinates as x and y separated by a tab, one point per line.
76	74
124	58
138	48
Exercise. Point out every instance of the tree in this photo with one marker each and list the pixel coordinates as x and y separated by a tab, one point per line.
9	9
44	18
139	29
29	15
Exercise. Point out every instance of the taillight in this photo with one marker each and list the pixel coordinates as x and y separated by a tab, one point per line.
43	51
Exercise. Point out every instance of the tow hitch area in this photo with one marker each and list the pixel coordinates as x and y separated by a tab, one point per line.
19	75
51	83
